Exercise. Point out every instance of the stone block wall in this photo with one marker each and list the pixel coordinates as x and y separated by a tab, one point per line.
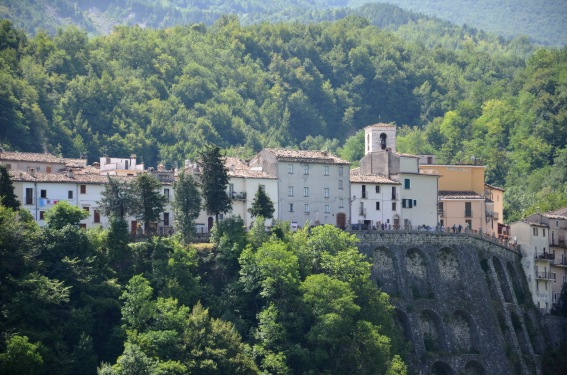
462	303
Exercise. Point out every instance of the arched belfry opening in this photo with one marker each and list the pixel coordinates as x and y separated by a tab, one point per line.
380	137
383	137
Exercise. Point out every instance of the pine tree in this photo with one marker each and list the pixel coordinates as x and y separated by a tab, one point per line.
7	196
149	202
186	206
262	205
214	180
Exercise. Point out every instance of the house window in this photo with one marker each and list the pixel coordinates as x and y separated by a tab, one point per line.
407	203
291	207
83	189
29	195
41	215
305	191
340	171
86	208
43	193
326	192
468	224
341	203
557	223
306	169
70	194
166	194
166	219
377	206
340	184
406	183
306	208
8	166
414	203
535	232
394	193
231	190
377	189
290	191
290	168
543	232
393	206
47	169
326	170
327	209
96	216
468	209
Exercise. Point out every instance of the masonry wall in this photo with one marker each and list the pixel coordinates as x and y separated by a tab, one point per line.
461	302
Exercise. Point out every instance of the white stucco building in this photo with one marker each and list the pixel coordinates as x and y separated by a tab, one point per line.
313	186
532	236
405	197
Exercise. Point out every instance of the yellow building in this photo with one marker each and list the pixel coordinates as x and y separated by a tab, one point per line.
465	200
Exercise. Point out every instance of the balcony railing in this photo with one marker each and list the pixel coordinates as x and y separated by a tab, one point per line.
362	212
545	275
238	196
440	211
547	256
468	213
364	195
560	263
492	214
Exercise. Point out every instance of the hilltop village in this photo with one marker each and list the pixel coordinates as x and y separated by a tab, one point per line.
389	191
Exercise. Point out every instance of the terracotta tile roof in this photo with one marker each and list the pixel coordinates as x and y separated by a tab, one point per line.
239	168
444	194
306	156
494	187
557	214
355	176
61	177
41	158
30	156
406	155
381	124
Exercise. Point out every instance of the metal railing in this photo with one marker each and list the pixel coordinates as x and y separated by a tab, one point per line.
410	229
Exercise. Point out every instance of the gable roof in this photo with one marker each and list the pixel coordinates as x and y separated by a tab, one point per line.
356	176
239	168
306	156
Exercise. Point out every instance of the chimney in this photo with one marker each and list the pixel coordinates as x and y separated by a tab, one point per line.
70	173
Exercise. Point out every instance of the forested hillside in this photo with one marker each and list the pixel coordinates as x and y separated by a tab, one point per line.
73	301
162	94
545	21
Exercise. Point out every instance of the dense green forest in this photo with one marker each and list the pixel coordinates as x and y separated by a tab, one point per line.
454	92
543	21
75	301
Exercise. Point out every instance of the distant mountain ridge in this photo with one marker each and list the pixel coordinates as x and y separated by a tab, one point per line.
545	21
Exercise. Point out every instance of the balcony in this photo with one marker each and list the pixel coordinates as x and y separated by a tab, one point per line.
362	211
468	213
548	276
560	263
238	196
440	211
546	256
364	195
493	215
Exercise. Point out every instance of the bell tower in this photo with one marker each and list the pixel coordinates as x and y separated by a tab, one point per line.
379	137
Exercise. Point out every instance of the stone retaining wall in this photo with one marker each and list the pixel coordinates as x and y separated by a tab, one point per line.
462	302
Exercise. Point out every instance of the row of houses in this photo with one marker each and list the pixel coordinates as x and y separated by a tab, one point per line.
389	190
